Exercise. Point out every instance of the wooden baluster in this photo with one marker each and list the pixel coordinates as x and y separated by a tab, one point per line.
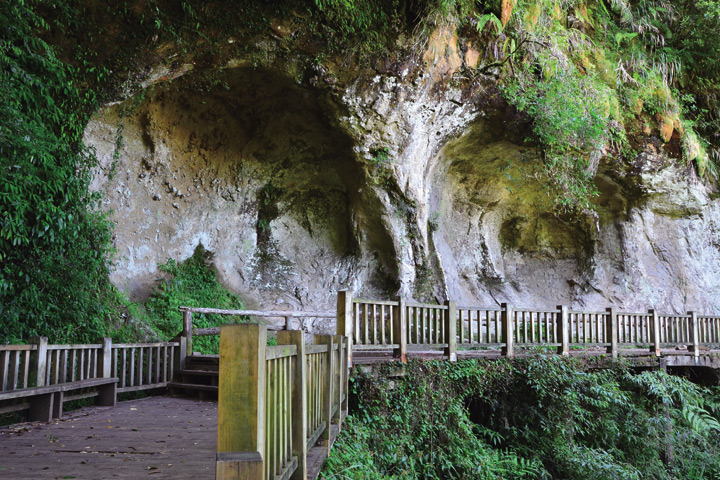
14	372
25	378
298	414
366	340
382	325
123	380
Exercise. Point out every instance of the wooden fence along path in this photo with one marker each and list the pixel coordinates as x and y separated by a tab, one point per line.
275	402
405	326
39	377
281	407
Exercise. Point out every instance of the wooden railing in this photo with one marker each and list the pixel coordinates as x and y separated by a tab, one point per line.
276	402
189	329
403	325
138	366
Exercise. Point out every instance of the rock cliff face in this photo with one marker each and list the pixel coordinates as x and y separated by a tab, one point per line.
409	178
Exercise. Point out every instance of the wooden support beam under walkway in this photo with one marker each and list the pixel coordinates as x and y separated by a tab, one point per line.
154	438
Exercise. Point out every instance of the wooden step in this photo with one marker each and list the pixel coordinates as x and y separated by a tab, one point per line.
200	373
193	386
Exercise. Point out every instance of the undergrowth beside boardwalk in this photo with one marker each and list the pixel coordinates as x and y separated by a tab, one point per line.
543	417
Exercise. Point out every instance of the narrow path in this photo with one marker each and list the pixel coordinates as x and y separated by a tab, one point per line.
155	437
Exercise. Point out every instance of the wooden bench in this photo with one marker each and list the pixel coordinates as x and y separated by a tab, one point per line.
46	403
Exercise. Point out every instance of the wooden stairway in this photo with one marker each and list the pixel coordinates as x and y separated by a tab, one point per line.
199	377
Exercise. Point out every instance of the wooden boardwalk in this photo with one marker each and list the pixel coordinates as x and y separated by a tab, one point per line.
155	437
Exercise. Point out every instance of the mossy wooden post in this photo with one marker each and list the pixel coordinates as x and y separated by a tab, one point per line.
345	320
188	330
612	332
563	328
328	380
40	360
400	330
299	400
655	319
507	330
241	397
695	334
451	330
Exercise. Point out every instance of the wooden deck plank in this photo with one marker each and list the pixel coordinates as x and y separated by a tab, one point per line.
155	437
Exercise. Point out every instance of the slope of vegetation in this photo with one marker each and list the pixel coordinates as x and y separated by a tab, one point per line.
536	418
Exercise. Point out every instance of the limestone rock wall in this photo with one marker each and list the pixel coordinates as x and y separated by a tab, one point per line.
410	178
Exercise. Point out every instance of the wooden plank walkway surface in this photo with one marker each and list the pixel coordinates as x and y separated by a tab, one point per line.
155	437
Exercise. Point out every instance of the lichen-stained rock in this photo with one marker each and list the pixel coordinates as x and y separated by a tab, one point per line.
411	178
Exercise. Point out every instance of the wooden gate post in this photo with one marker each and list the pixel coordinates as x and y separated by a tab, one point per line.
564	330
655	348
507	330
345	320
451	330
612	332
695	334
400	330
299	400
241	401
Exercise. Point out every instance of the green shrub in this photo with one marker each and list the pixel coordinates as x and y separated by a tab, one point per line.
192	283
527	418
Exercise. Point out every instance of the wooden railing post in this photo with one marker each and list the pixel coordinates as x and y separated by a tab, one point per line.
400	330
180	354
451	330
655	348
299	400
612	332
241	400
327	404
188	330
40	360
563	329
695	333
338	380
507	330
105	361
345	320
345	369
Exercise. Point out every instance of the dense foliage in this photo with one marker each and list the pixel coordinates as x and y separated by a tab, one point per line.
192	283
530	418
54	247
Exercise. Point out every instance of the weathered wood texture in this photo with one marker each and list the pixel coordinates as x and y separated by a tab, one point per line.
32	368
278	403
402	326
156	437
